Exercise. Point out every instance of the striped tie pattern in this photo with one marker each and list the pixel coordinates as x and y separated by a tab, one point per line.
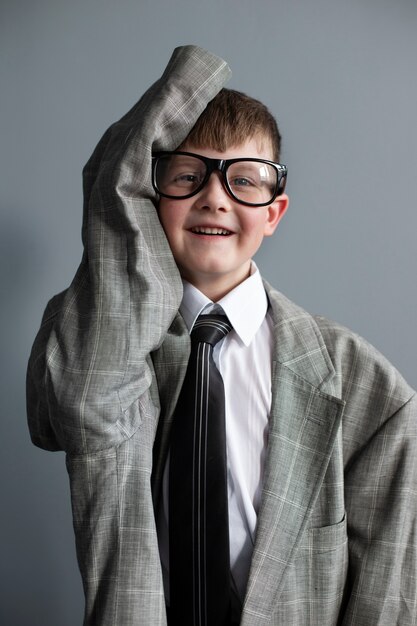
198	510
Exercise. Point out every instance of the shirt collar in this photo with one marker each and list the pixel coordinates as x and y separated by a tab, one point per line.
245	306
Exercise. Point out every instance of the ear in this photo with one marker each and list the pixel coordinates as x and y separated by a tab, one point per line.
275	213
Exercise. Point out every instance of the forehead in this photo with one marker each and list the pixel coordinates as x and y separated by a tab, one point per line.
258	147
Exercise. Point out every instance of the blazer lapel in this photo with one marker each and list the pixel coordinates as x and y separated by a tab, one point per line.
170	364
303	425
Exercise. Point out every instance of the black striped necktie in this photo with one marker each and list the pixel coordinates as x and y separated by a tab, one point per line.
198	508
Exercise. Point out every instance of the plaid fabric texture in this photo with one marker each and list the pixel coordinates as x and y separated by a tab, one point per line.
84	385
336	539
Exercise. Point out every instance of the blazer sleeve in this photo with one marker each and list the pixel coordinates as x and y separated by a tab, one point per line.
381	504
380	487
90	360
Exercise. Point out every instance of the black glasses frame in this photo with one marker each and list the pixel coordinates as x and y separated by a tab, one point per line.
222	165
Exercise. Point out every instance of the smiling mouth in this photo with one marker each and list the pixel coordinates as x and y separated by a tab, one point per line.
203	230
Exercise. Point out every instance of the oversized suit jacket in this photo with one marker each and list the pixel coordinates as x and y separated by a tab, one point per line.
336	537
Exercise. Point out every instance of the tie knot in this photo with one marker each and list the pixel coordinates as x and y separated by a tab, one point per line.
210	329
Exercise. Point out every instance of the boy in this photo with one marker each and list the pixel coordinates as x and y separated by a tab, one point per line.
321	433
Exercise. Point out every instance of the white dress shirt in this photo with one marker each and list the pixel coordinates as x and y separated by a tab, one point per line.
243	358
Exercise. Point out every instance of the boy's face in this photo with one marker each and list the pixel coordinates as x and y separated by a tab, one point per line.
212	261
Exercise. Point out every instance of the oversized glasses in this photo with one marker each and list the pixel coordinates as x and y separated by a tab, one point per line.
181	175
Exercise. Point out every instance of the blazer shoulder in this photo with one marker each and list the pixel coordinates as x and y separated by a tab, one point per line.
361	367
361	371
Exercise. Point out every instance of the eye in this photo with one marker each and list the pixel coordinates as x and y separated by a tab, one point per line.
187	178
241	181
185	172
244	176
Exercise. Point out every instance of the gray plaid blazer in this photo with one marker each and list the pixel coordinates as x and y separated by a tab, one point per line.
336	539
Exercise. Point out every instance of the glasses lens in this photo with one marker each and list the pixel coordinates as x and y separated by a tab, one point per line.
252	182
179	175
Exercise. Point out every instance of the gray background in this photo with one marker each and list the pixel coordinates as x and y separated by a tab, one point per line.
341	79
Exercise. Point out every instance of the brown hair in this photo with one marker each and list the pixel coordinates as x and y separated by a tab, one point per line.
232	118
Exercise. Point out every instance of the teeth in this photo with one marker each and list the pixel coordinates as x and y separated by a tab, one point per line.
210	231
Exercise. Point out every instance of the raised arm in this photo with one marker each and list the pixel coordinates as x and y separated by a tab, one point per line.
89	363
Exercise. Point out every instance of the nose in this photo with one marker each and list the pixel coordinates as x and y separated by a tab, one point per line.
214	196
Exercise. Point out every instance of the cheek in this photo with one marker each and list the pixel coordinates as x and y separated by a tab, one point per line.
172	214
254	224
163	219
167	218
